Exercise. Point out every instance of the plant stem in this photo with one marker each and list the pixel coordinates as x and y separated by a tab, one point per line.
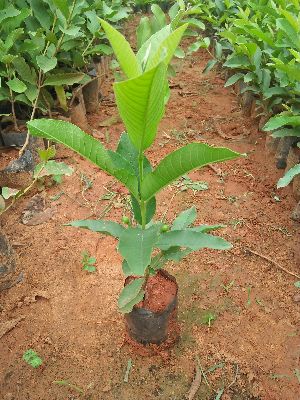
141	177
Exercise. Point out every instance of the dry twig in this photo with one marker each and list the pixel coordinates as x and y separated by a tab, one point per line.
273	262
195	384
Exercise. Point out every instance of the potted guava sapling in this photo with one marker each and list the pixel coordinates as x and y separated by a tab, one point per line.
145	244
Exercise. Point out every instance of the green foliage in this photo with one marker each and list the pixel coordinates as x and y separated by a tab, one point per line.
47	44
32	358
88	262
144	244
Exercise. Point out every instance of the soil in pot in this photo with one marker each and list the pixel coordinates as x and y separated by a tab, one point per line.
154	320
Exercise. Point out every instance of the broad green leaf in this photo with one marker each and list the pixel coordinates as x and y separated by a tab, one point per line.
143	31
68	78
233	79
101	49
24	70
129	306
45	63
159	15
122	50
206	228
87	146
130	292
8	12
52	167
151	45
288	176
191	240
297	284
106	227
179	53
195	23
286	132
16	85
136	245
40	12
175	253
180	162
167	48
237	61
31	92
63	7
281	120
125	268
141	105
184	219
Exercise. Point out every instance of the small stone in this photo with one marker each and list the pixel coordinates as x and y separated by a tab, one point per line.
9	396
297	298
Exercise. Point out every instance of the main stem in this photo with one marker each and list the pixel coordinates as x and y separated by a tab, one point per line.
141	175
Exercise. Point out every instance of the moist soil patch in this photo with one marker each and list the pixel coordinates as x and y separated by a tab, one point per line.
236	310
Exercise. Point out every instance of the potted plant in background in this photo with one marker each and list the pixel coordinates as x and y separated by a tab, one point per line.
149	296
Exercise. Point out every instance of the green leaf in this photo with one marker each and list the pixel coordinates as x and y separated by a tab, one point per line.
136	245
106	227
141	105
181	161
143	31
130	292
101	49
45	63
62	98
122	50
24	70
233	79
125	268
159	15
16	85
46	154
63	7
167	48
128	306
32	358
9	192
87	146
297	284
192	240
209	66
237	61
184	219
52	168
194	22
288	176
286	132
281	120
150	47
68	78
89	268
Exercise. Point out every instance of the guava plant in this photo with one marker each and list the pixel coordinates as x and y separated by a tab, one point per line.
145	244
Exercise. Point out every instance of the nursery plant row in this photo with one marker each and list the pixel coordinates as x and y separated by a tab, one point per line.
259	42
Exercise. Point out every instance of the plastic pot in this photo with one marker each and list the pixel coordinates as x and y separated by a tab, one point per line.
147	327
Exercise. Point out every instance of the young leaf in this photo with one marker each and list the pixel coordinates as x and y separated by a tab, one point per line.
184	219
125	268
9	192
136	246
67	78
87	146
150	210
141	105
288	176
143	31
233	79
16	85
32	358
24	70
192	240
167	48
45	63
181	161
63	7
106	227
281	120
122	50
62	98
130	292
53	167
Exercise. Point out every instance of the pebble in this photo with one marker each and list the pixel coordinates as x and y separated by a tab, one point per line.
297	298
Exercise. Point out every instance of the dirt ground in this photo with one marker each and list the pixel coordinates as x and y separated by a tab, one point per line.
250	348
